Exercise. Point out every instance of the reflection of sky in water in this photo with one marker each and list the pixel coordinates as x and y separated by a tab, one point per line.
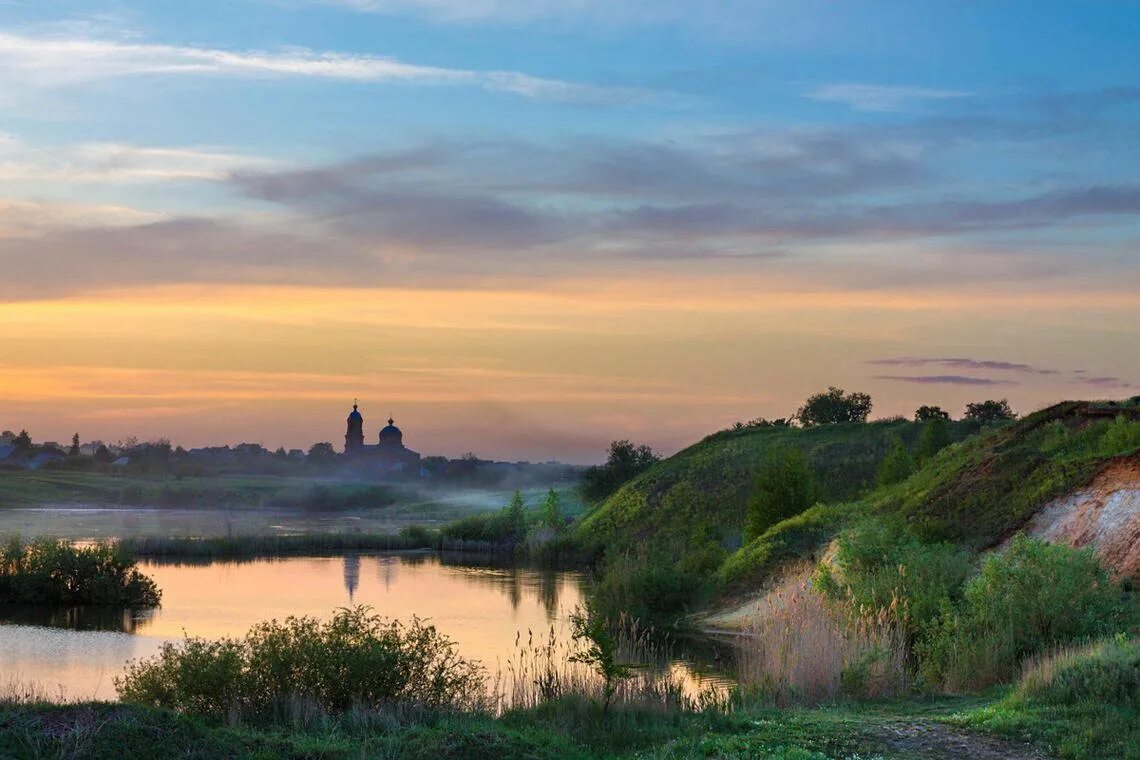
480	608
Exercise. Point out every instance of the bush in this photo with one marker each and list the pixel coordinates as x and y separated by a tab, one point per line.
1029	598
934	437
879	565
897	465
50	571
354	659
1121	437
785	486
648	587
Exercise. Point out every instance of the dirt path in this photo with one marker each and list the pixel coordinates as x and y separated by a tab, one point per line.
938	741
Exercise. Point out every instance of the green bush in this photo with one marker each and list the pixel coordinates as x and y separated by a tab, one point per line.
1121	437
785	486
1026	599
354	659
896	466
879	565
647	586
51	571
934	437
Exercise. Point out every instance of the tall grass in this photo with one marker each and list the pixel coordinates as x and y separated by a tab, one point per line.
803	650
542	670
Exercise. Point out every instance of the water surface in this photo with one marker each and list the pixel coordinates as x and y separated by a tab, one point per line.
77	653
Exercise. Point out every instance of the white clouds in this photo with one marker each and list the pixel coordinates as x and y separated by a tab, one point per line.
59	61
875	97
116	162
27	219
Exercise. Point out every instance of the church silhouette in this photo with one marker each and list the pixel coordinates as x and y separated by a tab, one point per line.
389	454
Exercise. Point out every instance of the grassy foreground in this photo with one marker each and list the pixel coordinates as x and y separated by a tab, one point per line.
568	728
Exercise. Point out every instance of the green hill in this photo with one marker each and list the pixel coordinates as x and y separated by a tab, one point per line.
975	492
703	491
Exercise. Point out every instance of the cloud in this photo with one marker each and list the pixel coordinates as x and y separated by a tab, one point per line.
118	162
1106	382
77	258
59	61
960	363
945	380
876	97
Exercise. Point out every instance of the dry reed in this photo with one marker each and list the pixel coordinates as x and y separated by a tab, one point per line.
803	650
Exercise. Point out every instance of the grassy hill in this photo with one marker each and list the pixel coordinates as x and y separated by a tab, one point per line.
704	489
974	493
690	509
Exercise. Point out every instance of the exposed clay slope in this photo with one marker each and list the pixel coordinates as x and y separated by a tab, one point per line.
1105	515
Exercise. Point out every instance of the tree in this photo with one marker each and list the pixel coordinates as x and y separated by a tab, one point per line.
23	441
833	406
928	413
990	411
625	461
934	437
551	511
515	513
321	453
589	628
897	465
74	450
785	486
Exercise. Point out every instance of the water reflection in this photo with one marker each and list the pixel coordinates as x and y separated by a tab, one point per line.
351	574
76	618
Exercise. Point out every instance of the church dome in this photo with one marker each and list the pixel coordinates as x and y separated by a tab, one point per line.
355	414
391	434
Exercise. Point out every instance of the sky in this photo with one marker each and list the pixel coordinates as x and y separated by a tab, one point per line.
525	228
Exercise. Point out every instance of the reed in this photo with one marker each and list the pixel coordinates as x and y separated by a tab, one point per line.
803	650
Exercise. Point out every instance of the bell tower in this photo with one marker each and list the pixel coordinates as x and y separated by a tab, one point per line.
354	436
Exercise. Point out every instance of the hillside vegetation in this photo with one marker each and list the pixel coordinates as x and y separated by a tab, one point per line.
681	524
703	491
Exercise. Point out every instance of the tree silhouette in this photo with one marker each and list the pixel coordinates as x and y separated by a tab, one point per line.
833	406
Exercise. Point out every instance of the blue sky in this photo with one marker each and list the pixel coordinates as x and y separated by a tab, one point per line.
910	152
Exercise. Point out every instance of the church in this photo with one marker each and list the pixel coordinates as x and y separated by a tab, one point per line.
389	454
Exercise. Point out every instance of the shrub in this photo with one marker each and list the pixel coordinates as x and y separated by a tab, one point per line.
897	465
597	649
880	565
1121	437
647	586
354	659
934	437
1026	599
51	571
785	486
